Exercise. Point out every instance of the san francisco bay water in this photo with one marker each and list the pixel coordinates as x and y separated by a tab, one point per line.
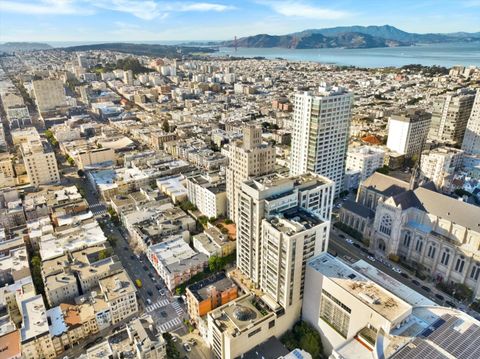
447	55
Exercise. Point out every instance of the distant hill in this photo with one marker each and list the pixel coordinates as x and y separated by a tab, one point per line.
144	49
351	40
10	47
392	33
350	37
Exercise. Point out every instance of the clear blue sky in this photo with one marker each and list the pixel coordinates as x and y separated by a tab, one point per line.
159	20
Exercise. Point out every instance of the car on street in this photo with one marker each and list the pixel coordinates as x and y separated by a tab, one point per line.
450	304
439	296
149	301
149	292
158	286
404	275
174	338
163	314
341	236
132	257
348	240
395	269
187	347
416	282
370	258
426	289
145	268
356	245
125	248
138	283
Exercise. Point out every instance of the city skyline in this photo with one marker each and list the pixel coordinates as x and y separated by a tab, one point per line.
152	20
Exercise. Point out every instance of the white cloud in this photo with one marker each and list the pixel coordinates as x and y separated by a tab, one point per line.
203	6
142	9
43	7
301	9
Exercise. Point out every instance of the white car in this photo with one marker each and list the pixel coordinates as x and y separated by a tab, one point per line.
370	258
187	347
348	240
396	270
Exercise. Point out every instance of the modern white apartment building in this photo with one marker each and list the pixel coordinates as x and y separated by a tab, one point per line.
439	163
208	193
49	95
471	141
407	133
321	127
40	162
340	302
265	198
365	159
248	158
363	313
450	114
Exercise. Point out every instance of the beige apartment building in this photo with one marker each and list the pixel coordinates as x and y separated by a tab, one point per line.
36	340
49	95
247	158
119	291
450	114
40	162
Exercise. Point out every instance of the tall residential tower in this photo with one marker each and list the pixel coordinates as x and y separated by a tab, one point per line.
248	158
450	115
471	141
321	123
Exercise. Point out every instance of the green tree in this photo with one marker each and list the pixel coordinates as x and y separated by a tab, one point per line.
104	253
172	351
384	170
203	220
310	344
215	263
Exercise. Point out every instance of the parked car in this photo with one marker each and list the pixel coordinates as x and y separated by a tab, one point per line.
370	258
416	282
149	301
426	289
450	304
439	296
348	240
187	347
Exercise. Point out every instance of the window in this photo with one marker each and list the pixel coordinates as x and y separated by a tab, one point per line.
419	245
431	251
475	273
445	257
406	239
335	313
460	264
386	224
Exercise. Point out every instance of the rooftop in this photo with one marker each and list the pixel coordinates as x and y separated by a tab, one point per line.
202	290
34	314
294	220
368	292
240	314
116	285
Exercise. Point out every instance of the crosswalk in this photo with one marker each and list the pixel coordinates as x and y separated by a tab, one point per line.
98	209
159	304
177	308
169	325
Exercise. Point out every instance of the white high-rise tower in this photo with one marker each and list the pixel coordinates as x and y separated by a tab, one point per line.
471	141
321	122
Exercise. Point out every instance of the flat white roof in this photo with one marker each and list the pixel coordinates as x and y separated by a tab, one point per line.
34	318
391	284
